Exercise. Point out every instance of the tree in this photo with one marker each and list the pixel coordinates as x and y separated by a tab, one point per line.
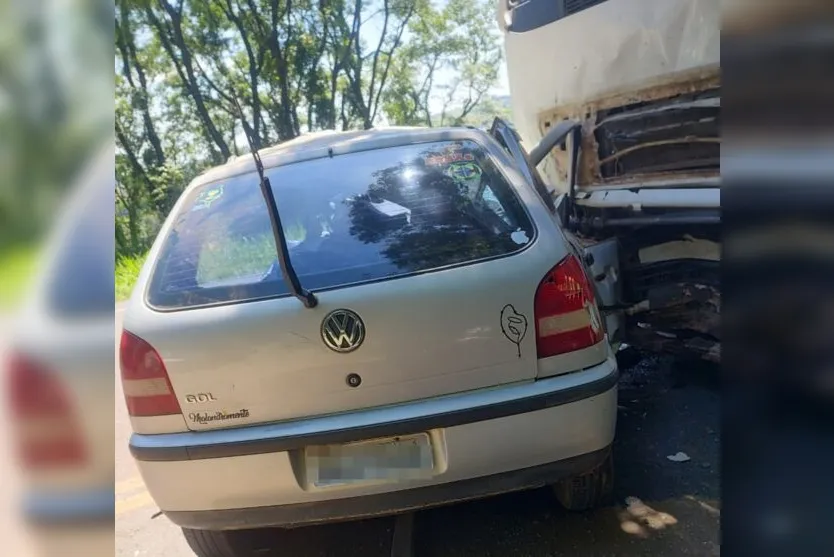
476	66
367	70
451	60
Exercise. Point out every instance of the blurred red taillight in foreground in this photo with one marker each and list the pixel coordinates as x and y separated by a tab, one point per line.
44	420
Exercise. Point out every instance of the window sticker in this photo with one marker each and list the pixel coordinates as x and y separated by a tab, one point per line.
466	175
463	172
519	237
441	160
513	325
451	154
207	197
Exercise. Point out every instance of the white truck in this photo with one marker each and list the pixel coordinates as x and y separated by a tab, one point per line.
634	89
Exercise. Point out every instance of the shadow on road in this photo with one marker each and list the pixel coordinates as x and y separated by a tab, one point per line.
662	507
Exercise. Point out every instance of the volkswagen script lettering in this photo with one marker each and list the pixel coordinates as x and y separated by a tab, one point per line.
342	331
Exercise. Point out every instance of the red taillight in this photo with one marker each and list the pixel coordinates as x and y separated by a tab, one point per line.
145	382
45	423
567	318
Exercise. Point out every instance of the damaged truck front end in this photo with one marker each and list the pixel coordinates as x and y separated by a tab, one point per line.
646	175
639	180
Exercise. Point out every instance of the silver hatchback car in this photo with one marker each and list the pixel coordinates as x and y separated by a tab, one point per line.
448	347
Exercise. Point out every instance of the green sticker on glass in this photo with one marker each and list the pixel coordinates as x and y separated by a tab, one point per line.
207	197
466	175
463	171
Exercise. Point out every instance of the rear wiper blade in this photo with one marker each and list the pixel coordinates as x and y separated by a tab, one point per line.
290	277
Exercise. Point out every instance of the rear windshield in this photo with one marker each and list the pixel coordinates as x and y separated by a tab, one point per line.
349	219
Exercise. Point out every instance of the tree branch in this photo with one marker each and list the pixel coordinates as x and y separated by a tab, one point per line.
131	155
389	60
127	47
379	49
173	35
254	69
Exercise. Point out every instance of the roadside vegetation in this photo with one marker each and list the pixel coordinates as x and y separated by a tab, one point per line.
127	271
17	266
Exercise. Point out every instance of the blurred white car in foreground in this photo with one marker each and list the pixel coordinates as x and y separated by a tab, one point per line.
59	378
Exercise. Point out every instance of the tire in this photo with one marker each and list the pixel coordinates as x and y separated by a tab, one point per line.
589	490
216	543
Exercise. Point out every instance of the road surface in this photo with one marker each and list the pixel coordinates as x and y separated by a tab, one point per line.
664	508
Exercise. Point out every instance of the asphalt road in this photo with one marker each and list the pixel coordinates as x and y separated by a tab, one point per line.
663	508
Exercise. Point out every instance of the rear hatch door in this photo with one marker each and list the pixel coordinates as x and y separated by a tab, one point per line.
424	259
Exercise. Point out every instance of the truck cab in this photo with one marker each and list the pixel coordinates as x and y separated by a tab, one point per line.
638	180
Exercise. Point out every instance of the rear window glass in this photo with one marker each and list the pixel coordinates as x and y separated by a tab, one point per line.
349	219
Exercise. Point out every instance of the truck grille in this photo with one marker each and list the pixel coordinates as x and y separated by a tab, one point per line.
677	134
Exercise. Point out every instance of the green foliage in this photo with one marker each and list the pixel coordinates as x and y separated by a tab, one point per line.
485	112
451	61
128	268
17	266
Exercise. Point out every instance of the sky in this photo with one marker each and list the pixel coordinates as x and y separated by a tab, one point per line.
503	87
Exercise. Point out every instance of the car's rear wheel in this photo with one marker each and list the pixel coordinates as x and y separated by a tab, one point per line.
217	543
588	490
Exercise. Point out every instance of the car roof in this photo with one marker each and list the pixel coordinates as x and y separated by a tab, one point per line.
333	143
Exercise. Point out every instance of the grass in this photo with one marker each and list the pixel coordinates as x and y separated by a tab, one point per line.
17	267
127	271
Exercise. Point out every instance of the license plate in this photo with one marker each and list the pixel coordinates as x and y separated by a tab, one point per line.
381	460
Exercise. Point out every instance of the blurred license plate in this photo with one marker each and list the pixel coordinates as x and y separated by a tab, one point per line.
393	459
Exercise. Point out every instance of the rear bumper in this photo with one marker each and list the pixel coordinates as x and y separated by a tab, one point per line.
56	507
484	442
403	419
395	502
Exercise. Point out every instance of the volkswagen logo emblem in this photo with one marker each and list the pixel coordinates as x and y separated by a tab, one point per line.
342	330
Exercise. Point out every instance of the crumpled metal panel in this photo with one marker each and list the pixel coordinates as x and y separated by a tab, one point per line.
655	47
